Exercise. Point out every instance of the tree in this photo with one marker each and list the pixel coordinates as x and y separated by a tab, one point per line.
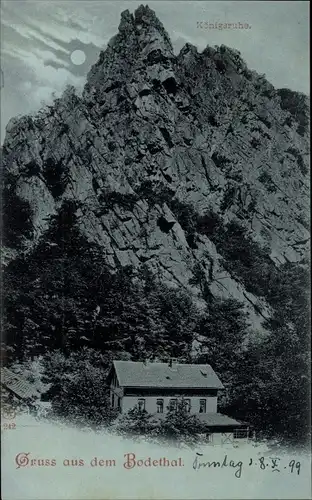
179	318
222	329
78	391
270	385
180	426
136	423
288	352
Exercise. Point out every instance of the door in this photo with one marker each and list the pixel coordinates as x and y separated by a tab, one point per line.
227	438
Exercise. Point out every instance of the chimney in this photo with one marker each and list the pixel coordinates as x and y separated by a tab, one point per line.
173	362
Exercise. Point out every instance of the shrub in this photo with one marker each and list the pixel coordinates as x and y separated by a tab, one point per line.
180	426
136	423
296	104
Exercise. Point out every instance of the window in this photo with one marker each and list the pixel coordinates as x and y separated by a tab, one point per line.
172	404
209	437
119	404
187	405
202	406
240	433
160	405
141	404
113	400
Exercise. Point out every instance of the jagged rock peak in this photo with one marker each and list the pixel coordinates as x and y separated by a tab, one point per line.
188	48
143	16
141	42
142	24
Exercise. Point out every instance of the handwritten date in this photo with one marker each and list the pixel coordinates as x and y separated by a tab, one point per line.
274	464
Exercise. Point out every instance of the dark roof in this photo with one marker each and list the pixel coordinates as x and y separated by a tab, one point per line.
218	419
138	374
16	384
210	419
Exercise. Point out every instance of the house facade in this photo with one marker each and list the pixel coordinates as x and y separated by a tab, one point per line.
156	387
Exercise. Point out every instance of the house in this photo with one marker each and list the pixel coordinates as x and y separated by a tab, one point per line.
155	387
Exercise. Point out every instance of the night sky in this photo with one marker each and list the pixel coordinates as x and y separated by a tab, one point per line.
40	40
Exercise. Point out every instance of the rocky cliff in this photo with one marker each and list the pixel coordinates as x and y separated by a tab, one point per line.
169	159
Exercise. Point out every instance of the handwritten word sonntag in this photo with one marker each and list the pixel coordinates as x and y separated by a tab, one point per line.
274	464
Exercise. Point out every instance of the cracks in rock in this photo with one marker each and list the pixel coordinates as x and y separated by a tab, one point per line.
301	242
211	185
175	278
257	309
275	230
166	135
164	225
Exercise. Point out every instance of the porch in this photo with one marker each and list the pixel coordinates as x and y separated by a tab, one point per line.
221	429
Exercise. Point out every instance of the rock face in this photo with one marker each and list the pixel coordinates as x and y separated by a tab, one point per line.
156	137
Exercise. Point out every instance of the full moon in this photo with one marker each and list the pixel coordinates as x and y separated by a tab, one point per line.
78	57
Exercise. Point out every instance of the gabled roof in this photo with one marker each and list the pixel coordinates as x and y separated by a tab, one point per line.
16	384
139	374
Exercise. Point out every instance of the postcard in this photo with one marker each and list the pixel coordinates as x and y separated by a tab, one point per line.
155	250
